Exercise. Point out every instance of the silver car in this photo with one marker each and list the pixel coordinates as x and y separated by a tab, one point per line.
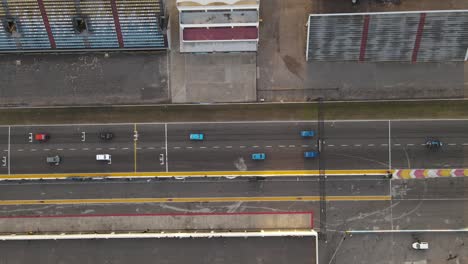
53	160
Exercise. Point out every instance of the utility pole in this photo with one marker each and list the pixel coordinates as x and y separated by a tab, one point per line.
321	169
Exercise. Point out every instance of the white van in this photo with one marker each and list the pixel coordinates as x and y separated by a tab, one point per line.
104	157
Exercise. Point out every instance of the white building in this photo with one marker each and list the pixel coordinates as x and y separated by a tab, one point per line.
218	26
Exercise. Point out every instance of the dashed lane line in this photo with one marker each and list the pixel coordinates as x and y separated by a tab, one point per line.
228	146
292	146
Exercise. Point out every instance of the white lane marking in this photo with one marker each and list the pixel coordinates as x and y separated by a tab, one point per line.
216	147
228	146
357	145
370	145
254	146
203	147
292	146
396	144
189	147
112	148
176	147
389	144
124	148
452	144
20	149
9	148
268	146
33	149
409	144
59	149
5	150
423	144
384	145
305	146
344	145
85	149
149	148
281	146
71	149
139	148
465	144
165	140
330	145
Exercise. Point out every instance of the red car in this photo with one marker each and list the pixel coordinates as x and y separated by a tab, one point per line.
42	137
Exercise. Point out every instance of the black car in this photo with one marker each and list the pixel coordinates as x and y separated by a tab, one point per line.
106	135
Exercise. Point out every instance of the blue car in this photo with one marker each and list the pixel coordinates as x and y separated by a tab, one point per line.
197	136
310	154
258	156
307	133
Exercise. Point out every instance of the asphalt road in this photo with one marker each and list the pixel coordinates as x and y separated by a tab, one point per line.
415	204
171	251
439	203
228	146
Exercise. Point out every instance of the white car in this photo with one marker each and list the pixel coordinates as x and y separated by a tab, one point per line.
104	157
420	245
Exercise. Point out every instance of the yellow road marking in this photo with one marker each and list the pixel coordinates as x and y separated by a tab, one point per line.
269	173
195	200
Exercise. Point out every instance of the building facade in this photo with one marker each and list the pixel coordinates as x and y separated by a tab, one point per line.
218	26
415	36
55	25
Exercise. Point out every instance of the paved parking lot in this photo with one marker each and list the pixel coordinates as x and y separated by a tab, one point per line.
273	250
284	75
83	79
449	248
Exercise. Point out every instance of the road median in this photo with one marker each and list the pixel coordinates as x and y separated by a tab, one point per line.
442	109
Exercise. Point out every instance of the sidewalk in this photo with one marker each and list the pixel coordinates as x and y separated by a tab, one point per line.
237	112
157	222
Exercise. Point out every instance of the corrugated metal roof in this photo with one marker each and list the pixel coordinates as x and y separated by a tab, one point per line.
445	37
390	37
327	41
32	33
138	21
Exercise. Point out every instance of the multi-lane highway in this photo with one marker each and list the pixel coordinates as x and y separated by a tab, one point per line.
164	147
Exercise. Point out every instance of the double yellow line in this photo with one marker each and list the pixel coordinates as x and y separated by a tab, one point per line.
194	200
268	173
